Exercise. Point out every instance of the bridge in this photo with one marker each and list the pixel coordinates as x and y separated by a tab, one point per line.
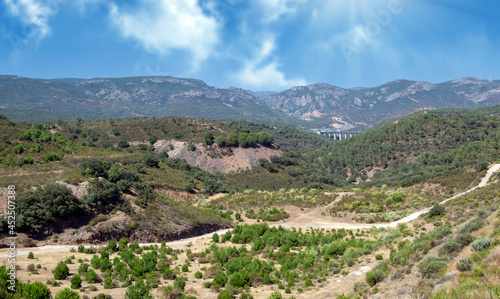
337	134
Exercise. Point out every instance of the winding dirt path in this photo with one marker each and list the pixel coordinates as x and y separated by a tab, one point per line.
294	224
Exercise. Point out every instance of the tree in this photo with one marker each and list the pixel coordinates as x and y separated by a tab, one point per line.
215	238
152	160
91	276
67	294
152	139
114	173
61	271
208	138
76	282
35	290
221	141
47	204
122	143
179	283
139	290
436	210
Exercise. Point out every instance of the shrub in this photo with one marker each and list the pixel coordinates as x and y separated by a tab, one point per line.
431	266
239	280
436	210
308	283
139	290
481	244
215	238
67	294
91	276
245	295
83	268
275	295
464	264
152	160
34	290
379	257
30	255
198	275
61	271
450	248
185	268
152	139
220	279
108	283
225	295
76	282
179	283
472	225
375	276
81	248
464	238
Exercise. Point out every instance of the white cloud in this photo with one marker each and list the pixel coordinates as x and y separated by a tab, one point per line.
34	14
163	25
274	9
256	73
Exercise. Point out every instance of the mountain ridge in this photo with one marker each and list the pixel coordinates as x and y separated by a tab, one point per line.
40	100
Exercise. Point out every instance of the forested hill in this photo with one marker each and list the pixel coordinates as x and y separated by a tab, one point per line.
418	147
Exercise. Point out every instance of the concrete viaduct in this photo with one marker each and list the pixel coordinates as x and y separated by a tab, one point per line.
337	134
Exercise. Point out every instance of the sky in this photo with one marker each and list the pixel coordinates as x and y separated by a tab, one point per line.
258	45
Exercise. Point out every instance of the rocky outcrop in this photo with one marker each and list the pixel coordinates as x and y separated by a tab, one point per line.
214	159
121	225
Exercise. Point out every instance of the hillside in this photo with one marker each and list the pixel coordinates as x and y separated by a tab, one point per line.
37	100
366	105
302	217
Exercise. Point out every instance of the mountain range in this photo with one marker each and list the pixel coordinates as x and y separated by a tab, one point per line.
36	100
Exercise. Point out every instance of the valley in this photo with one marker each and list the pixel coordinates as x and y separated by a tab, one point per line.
175	207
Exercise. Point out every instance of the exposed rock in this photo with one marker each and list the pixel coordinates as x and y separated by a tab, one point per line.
215	159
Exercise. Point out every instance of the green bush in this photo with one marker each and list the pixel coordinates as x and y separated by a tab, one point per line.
220	279
91	276
436	210
464	264
473	225
139	290
449	248
275	295
179	283
61	271
76	282
245	295
67	294
431	266
375	276
108	283
225	295
30	255
379	257
464	238
481	244
35	290
198	275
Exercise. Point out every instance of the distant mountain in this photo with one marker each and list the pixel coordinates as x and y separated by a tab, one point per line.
38	100
41	100
394	98
264	94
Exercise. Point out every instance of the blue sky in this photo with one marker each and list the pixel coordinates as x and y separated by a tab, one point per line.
256	45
